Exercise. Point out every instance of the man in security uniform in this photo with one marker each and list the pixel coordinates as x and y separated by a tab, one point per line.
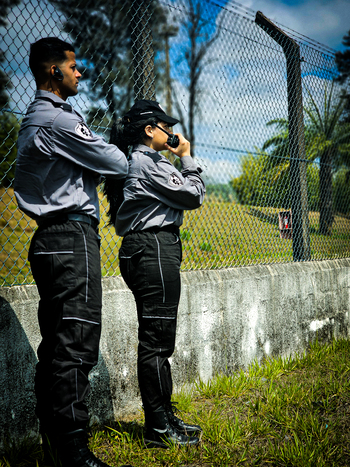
59	163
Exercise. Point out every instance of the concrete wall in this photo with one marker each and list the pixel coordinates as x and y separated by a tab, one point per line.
227	319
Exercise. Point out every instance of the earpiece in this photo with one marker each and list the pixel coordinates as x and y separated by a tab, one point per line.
57	73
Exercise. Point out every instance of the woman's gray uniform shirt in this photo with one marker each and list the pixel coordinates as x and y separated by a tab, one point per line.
59	160
156	193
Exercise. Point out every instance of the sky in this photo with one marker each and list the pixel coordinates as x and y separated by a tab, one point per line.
325	21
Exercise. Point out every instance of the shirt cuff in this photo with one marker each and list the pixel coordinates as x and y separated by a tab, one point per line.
188	163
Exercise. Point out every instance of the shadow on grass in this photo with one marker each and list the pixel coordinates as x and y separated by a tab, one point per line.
133	429
269	218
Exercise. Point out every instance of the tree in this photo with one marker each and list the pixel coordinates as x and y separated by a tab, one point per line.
263	183
221	192
168	30
5	81
260	183
200	39
102	34
342	60
341	191
326	139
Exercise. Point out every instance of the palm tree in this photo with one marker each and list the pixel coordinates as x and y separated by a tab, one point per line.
326	139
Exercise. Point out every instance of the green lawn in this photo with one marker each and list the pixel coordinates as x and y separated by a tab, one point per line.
218	235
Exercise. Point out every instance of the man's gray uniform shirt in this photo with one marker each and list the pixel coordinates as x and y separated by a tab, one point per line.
59	160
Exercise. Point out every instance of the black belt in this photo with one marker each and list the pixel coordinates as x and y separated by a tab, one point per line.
71	216
167	228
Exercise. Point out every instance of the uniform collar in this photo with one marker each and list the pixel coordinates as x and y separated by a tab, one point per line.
57	101
143	148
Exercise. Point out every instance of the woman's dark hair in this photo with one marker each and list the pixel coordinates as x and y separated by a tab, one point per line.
47	50
124	134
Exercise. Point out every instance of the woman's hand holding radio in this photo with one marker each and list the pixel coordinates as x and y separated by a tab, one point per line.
183	149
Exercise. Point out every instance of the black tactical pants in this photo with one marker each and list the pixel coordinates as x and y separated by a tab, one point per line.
150	265
65	261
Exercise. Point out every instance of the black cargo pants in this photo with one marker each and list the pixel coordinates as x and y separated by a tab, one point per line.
65	261
150	265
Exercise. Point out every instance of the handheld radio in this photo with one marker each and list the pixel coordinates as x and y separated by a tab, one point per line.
173	140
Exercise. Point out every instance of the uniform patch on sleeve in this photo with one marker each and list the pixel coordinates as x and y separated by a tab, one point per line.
82	130
175	180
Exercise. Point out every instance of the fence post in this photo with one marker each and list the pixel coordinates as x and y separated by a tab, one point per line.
298	182
142	50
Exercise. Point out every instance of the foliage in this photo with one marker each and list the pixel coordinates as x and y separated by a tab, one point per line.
221	192
264	183
107	55
327	139
261	184
195	26
9	128
325	132
341	191
5	82
342	60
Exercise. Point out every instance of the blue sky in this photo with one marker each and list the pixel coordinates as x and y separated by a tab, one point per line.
325	21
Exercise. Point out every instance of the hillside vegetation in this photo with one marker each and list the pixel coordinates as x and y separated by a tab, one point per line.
218	235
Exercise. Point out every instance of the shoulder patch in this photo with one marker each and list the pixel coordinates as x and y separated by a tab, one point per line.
174	180
82	130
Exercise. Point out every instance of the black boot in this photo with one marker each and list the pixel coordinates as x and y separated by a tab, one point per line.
71	450
179	424
159	432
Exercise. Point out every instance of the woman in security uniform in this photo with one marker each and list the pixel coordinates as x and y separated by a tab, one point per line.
148	215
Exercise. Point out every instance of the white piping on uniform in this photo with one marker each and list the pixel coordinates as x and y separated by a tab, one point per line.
160	381
80	319
87	264
128	257
160	267
76	389
76	393
53	252
160	317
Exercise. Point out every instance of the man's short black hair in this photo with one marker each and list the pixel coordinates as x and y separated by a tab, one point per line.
46	50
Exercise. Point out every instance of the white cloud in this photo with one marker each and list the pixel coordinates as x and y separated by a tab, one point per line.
220	170
324	21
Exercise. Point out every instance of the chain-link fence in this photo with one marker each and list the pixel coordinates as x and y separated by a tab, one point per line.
260	105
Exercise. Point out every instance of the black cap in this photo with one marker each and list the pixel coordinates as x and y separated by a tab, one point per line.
144	109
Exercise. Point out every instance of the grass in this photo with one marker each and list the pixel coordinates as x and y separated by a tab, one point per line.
286	412
218	235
